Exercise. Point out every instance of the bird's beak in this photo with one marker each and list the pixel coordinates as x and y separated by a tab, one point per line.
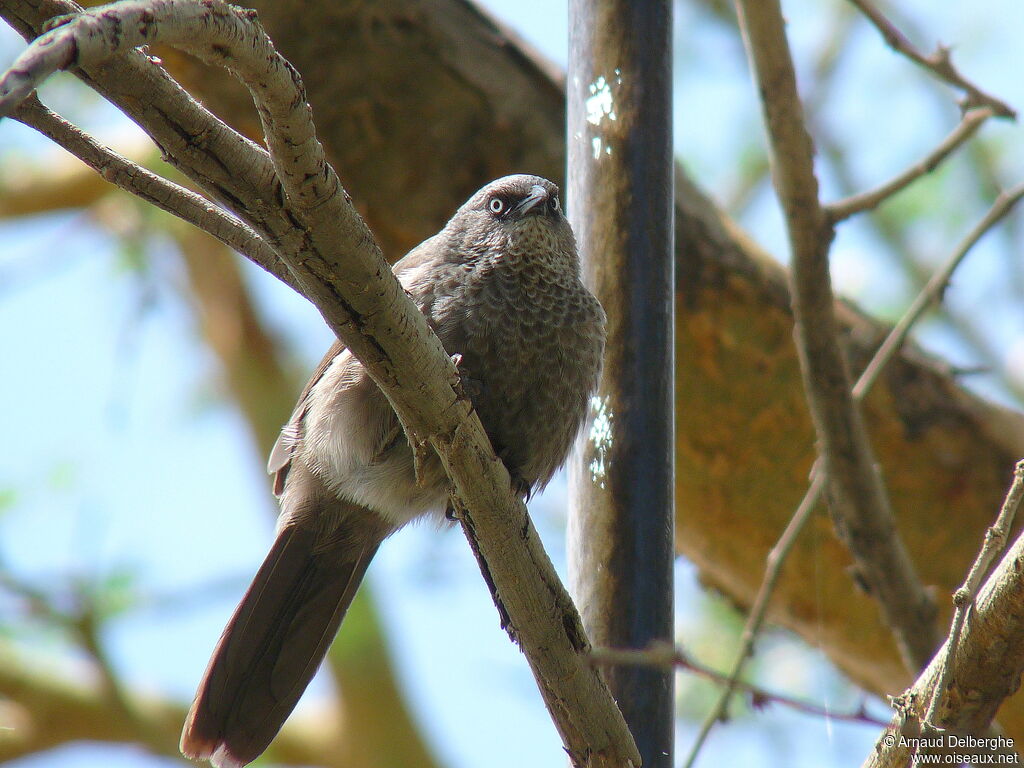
538	196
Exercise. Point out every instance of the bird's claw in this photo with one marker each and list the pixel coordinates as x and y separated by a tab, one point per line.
468	386
450	514
520	487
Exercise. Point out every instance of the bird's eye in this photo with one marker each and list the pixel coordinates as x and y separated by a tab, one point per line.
554	204
497	205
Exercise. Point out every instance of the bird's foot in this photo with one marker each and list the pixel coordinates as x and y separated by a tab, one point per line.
521	487
468	386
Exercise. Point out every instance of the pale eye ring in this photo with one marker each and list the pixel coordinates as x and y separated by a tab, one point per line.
554	204
496	206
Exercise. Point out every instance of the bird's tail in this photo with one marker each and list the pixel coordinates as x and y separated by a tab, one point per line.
275	641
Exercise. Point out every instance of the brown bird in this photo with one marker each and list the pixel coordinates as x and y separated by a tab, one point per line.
500	285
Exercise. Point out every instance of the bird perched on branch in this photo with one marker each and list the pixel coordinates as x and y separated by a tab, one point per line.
500	285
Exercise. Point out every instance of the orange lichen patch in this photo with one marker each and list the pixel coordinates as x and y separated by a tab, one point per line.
744	450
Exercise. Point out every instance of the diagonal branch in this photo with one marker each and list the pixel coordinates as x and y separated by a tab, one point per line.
933	290
758	611
983	668
667	656
865	201
42	712
333	256
374	724
939	63
963	598
858	500
146	185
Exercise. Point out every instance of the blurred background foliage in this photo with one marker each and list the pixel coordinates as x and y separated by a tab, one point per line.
141	390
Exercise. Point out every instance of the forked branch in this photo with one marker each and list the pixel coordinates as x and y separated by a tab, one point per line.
939	63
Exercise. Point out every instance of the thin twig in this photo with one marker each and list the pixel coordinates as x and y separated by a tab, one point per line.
982	663
963	599
666	656
934	288
146	185
929	294
886	227
86	626
755	619
82	622
939	63
859	502
865	201
228	166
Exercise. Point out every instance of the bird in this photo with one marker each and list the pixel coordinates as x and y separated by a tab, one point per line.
500	285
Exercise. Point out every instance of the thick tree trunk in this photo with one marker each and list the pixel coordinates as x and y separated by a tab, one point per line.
420	102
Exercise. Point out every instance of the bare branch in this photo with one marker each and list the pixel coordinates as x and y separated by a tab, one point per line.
860	506
981	670
334	258
216	158
46	713
865	201
963	599
933	290
939	63
964	324
928	295
148	186
663	655
755	618
213	31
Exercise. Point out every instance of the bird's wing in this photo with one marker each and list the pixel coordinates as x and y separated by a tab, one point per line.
291	433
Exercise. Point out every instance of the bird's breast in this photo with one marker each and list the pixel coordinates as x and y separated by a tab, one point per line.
530	346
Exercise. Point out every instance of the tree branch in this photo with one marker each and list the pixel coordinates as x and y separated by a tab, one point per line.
982	669
865	201
46	713
858	500
375	726
939	63
166	195
928	295
666	656
964	598
932	292
758	611
335	259
230	167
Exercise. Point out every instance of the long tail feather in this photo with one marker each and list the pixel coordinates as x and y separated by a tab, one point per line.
274	643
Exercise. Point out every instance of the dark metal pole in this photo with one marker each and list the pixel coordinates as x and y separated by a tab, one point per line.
620	204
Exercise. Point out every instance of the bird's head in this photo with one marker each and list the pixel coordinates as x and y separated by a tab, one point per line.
517	214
